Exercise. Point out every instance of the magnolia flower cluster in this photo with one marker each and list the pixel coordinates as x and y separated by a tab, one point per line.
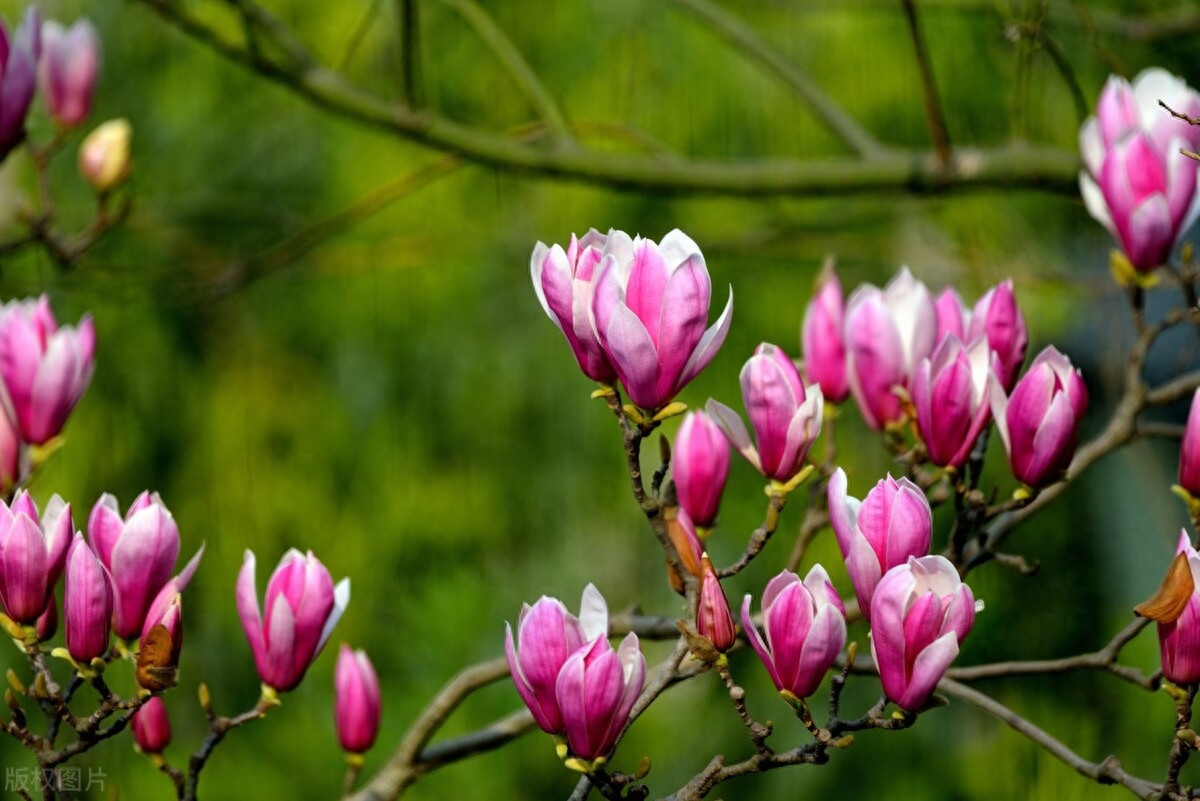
576	685
61	63
117	580
632	309
904	355
44	370
917	605
1135	179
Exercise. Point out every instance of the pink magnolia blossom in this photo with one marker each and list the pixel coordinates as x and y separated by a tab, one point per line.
894	522
888	333
805	627
951	395
785	415
18	77
1179	640
45	368
822	338
596	690
546	635
139	552
700	466
33	553
650	308
1135	180
87	603
998	317
920	613
301	607
565	281
356	700
714	620
1039	422
67	70
151	726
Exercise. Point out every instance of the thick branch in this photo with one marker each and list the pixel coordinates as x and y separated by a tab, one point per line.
1044	168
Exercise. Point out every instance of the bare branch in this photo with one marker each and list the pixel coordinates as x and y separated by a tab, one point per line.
1107	771
1050	169
1104	659
935	118
514	64
745	40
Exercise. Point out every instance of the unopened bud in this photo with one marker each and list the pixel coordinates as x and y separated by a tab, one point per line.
18	714
14	681
714	619
104	160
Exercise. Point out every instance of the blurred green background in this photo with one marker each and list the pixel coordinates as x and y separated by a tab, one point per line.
396	400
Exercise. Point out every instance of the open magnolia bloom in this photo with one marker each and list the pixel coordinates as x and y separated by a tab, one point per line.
886	528
888	332
805	626
301	607
650	309
546	635
786	415
920	614
1136	181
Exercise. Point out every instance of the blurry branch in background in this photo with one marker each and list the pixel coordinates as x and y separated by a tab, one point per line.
744	39
245	271
41	221
935	117
268	46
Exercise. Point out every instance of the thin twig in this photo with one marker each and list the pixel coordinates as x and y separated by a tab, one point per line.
1104	659
935	118
746	41
515	65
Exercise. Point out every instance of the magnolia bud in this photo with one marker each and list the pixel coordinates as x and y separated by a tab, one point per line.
104	160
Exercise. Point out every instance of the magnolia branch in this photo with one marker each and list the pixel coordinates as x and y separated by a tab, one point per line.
1107	771
1104	659
1121	429
270	48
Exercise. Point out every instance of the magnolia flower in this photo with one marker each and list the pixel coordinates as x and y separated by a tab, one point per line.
1135	180
700	466
805	626
892	524
920	613
822	338
951	396
565	281
302	606
546	635
1039	422
786	417
650	308
888	333
356	700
